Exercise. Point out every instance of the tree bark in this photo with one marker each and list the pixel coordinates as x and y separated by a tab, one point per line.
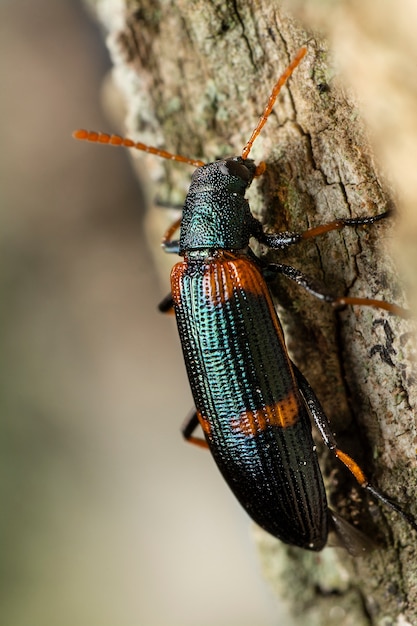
196	76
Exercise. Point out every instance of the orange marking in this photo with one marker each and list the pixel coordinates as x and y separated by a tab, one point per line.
284	413
223	277
229	272
352	466
176	276
249	279
217	285
204	423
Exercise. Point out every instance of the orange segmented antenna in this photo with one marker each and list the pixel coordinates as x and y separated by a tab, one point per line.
116	140
274	94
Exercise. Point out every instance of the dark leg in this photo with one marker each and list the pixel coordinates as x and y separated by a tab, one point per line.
339	224
188	429
167	304
285	239
312	286
323	425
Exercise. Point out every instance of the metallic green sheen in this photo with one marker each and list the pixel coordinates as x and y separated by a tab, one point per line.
216	214
236	363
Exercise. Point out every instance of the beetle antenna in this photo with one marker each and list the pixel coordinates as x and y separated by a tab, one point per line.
274	94
116	140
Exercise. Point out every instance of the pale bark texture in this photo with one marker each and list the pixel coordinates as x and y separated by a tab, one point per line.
196	76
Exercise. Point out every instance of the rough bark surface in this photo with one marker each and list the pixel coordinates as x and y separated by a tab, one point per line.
196	76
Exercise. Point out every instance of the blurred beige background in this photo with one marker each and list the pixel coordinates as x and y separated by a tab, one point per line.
108	518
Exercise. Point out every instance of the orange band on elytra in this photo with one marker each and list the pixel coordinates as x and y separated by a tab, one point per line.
284	413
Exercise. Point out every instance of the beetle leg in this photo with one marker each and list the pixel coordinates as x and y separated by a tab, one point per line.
322	423
306	282
171	247
279	241
189	427
167	304
287	238
342	222
320	292
168	244
339	303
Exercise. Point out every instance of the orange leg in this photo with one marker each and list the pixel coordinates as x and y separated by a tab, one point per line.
189	427
323	425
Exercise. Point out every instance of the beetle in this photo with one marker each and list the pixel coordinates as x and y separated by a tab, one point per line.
253	404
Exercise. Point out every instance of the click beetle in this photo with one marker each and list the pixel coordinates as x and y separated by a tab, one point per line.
253	404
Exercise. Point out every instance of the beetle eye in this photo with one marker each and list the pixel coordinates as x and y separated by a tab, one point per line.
238	169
